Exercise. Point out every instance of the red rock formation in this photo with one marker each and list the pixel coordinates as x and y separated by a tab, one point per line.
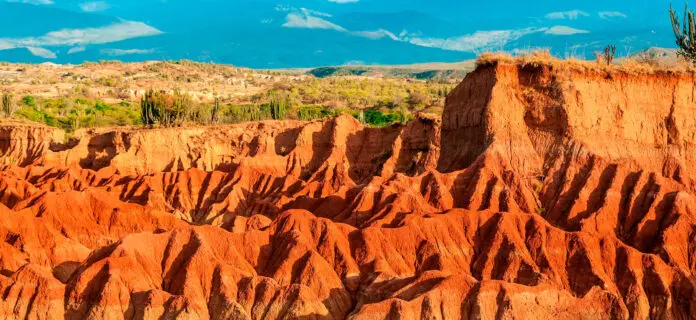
546	191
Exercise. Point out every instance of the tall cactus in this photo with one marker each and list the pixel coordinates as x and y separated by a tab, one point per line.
7	106
166	110
609	54
214	114
148	108
278	106
181	109
686	34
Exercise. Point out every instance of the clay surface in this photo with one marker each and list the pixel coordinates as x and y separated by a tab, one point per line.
542	193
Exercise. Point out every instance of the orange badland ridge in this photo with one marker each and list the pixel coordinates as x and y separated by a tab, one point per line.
545	192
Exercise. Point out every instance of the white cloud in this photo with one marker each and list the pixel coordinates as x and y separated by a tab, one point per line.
377	34
121	30
343	1
94	6
4	45
34	2
41	52
282	8
608	15
316	13
309	19
123	52
354	63
475	42
564	31
528	50
570	15
77	49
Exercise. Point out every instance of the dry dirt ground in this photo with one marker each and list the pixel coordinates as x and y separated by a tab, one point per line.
113	81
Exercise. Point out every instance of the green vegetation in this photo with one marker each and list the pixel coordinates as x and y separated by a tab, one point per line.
212	94
444	73
236	113
278	105
686	35
324	72
360	93
72	114
311	113
214	113
167	110
29	101
379	119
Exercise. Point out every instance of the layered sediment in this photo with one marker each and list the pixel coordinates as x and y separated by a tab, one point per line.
545	191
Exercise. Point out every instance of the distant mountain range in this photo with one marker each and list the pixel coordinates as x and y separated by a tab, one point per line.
311	33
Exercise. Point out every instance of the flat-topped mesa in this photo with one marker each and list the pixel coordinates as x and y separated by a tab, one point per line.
536	114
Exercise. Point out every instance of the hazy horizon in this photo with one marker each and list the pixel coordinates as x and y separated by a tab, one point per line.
302	34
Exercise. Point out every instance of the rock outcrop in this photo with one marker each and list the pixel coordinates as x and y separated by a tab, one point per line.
546	191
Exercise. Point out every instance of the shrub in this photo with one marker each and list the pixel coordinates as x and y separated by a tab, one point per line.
649	58
310	113
376	118
417	99
403	114
29	101
101	106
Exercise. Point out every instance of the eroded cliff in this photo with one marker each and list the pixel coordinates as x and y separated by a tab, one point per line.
546	191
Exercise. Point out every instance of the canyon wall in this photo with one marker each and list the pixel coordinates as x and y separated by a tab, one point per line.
546	191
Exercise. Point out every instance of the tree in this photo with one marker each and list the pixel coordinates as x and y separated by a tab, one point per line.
686	34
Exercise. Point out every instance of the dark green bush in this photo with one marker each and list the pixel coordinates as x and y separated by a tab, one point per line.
29	101
377	118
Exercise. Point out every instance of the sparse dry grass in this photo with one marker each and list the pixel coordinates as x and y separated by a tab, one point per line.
625	65
108	93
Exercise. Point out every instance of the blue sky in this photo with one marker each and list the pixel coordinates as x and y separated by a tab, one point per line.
306	33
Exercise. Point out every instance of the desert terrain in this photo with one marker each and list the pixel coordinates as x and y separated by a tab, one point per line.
108	93
546	189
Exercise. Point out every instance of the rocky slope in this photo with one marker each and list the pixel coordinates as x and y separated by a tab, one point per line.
546	191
